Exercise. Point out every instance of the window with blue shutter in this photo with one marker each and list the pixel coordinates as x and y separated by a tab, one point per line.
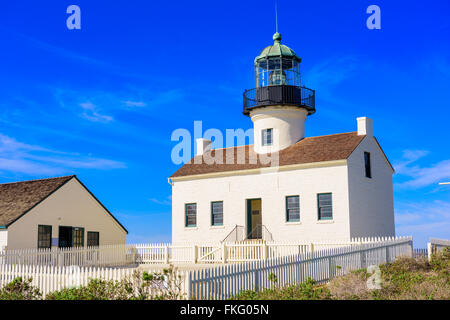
292	208
217	213
325	207
190	215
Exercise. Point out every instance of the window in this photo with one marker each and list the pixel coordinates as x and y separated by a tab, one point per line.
367	164
44	236
325	206
217	213
191	215
93	239
78	237
267	137
292	208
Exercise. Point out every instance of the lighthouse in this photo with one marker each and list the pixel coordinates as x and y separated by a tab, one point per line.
278	105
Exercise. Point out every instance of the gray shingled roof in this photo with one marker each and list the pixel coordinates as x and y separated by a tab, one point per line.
17	198
308	150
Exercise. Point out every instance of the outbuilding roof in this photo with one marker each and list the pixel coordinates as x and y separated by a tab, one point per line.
18	198
308	150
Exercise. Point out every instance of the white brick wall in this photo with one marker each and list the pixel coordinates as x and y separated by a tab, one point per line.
272	188
362	207
371	200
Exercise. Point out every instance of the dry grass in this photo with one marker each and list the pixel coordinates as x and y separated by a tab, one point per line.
403	279
350	287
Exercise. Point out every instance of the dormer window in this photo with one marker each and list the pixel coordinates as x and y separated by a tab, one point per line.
267	137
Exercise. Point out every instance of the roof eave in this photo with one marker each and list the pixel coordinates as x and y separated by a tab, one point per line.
102	205
318	164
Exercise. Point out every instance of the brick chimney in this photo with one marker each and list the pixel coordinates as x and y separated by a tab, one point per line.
365	126
203	145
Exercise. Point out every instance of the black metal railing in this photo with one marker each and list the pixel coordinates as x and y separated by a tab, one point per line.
235	235
260	231
279	95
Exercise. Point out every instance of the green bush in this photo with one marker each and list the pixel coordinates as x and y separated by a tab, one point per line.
440	262
20	289
307	290
165	285
95	290
404	279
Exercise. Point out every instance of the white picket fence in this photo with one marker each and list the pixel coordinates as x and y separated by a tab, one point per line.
49	279
225	281
435	245
108	255
165	253
293	264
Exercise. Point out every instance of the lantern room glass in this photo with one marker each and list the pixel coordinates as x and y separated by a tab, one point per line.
277	71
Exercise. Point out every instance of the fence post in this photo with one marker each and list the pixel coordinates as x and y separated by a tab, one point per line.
362	255
194	253
188	284
224	253
264	250
60	260
256	279
166	256
430	250
311	247
388	258
411	249
331	269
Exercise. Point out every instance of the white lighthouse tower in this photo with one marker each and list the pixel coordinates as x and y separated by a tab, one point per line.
278	105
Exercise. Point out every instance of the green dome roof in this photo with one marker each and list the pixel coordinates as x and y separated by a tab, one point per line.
277	50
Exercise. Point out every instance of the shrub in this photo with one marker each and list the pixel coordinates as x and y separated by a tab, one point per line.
352	286
163	285
96	289
307	290
167	284
440	261
404	279
20	289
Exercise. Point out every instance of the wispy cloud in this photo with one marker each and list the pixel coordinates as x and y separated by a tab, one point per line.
423	220
327	76
91	113
420	176
129	103
23	158
165	202
329	73
107	106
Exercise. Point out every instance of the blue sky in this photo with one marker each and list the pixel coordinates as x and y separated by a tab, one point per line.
102	102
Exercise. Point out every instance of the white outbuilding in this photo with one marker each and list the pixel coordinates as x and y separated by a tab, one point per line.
55	212
284	187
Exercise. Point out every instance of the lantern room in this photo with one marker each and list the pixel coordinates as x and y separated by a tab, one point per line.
277	65
278	81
